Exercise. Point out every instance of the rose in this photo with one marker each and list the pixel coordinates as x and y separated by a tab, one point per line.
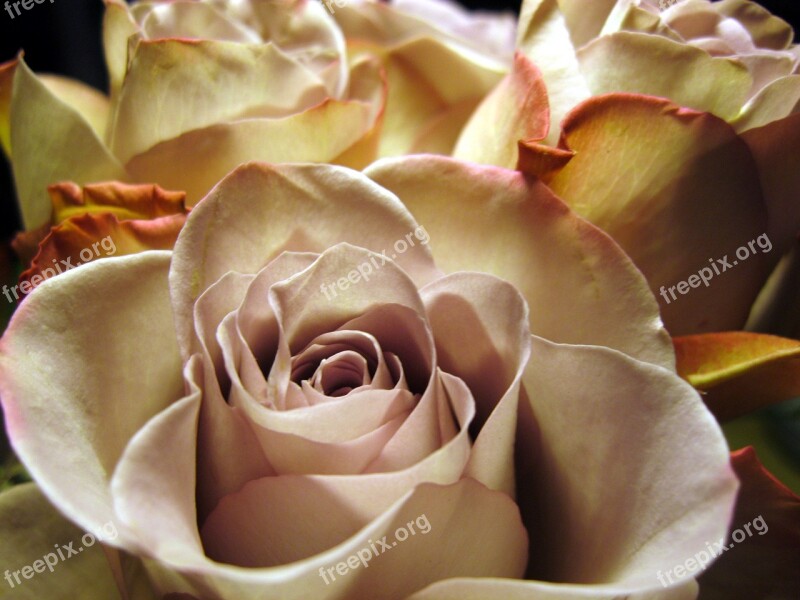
284	431
682	156
441	61
198	87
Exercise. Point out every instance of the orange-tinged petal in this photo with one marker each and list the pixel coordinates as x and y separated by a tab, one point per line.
675	188
516	109
765	563
543	37
740	372
125	201
81	239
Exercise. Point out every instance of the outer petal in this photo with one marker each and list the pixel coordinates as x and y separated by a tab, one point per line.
516	109
740	372
303	208
51	142
481	329
101	235
676	188
71	399
763	565
29	527
543	37
647	484
201	83
655	66
7	71
465	543
567	270
88	102
197	160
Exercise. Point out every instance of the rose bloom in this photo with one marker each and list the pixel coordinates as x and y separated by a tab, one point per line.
199	87
676	132
328	360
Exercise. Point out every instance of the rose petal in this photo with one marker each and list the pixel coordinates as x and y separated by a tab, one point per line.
90	104
300	198
126	201
543	38
519	231
652	65
46	355
618	517
584	19
516	109
774	102
61	147
7	71
66	244
766	29
481	329
740	372
118	27
29	528
463	545
207	82
763	565
692	190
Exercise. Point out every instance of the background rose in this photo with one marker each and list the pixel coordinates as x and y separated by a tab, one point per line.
644	485
196	89
645	151
440	60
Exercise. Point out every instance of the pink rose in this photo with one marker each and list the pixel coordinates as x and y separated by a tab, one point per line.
299	384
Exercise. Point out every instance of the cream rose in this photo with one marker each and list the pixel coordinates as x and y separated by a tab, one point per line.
676	132
299	380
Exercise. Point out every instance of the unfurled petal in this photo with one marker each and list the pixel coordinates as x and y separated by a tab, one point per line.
544	39
517	109
739	372
61	147
301	208
87	390
678	191
611	450
655	66
519	231
202	83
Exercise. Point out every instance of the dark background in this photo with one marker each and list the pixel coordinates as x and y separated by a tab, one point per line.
64	37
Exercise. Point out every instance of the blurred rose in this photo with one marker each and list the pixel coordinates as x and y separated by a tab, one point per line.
676	132
199	87
440	60
299	380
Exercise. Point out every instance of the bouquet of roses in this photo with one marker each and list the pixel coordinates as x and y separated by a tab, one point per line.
356	300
